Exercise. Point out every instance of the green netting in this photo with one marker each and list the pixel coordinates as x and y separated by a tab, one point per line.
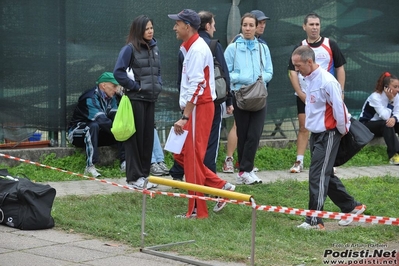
51	51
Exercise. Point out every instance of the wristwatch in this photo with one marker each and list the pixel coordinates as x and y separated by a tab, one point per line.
183	117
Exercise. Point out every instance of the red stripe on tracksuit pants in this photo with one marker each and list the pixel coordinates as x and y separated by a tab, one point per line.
193	154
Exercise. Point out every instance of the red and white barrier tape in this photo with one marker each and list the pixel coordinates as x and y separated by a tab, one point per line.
68	172
330	215
145	191
322	214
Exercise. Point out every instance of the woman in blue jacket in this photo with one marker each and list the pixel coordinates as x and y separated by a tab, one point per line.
141	54
247	59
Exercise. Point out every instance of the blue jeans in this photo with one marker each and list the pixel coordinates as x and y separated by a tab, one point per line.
157	152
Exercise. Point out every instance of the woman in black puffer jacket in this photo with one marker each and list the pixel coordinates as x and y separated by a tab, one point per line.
142	85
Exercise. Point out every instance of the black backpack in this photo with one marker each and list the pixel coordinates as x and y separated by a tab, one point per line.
220	78
25	205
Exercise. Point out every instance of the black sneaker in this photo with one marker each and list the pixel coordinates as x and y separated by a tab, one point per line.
175	178
178	178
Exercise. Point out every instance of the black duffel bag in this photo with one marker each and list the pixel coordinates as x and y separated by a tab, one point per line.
25	205
358	137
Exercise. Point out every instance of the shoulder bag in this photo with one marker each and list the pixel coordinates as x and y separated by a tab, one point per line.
358	137
253	97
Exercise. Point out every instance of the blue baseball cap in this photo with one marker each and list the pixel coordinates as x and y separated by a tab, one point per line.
189	16
259	15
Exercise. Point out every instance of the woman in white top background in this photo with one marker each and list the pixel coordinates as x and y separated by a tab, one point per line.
380	113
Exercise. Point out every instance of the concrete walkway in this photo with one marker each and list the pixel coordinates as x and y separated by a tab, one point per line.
54	247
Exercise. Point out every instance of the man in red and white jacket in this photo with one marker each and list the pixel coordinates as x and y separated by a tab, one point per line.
197	93
327	119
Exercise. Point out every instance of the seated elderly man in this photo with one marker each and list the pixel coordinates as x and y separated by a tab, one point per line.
91	123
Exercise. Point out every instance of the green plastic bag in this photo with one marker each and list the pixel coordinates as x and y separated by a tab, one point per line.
123	126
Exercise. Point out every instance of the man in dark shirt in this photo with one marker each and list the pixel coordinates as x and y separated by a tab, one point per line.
91	123
329	57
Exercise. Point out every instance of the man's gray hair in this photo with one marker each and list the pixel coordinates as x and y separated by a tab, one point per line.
305	52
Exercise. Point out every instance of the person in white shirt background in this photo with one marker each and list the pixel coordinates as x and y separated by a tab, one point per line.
328	120
380	114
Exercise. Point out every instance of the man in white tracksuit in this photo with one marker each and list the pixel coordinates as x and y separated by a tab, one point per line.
197	93
327	119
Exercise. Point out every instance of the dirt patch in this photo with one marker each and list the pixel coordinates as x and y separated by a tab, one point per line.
333	225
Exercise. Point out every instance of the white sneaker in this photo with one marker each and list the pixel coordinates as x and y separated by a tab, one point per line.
164	167
357	210
156	170
91	170
245	178
139	184
255	177
297	167
228	165
123	166
191	216
184	216
307	226
221	204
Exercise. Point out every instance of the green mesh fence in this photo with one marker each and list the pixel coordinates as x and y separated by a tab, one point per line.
51	51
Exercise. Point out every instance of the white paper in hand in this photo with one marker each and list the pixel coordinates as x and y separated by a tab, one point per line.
175	142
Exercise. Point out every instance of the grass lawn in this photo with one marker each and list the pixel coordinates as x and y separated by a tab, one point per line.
226	236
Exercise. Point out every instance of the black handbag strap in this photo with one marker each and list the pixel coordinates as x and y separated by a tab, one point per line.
132	57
